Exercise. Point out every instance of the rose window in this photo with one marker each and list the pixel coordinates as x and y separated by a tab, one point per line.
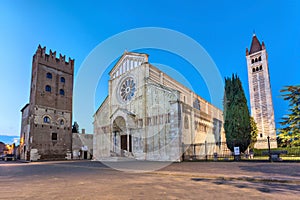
127	89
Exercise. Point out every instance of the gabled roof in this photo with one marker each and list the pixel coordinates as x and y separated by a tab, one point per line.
255	45
126	55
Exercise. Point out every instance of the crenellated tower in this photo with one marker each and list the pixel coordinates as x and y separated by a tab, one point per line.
260	93
48	134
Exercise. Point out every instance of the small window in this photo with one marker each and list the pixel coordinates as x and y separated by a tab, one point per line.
49	75
253	70
48	88
62	79
54	136
260	68
259	58
255	59
47	119
256	68
61	122
252	61
61	92
261	135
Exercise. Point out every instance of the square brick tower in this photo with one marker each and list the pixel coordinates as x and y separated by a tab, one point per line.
260	93
46	130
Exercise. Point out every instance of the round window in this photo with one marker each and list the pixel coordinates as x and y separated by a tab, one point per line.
127	89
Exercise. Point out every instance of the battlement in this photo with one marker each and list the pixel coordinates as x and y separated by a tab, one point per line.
50	59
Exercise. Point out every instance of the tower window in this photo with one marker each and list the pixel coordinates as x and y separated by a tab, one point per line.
47	119
259	58
261	135
255	59
252	61
49	75
54	136
48	88
256	68
61	92
260	68
61	122
62	79
253	69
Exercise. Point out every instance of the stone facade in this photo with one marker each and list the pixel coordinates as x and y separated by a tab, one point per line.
47	119
147	115
260	93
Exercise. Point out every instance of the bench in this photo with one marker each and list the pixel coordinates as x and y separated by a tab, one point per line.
275	154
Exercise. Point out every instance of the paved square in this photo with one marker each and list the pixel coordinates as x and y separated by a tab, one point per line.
188	180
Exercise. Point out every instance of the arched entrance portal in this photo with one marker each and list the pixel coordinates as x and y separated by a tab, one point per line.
121	137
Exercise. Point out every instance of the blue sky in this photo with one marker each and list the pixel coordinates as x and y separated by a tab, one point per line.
75	28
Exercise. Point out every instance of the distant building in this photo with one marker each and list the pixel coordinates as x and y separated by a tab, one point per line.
260	93
82	145
47	118
2	148
148	115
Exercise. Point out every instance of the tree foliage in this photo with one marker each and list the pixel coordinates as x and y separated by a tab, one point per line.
254	132
289	134
236	115
75	128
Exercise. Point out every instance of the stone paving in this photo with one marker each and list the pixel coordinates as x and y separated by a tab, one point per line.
187	180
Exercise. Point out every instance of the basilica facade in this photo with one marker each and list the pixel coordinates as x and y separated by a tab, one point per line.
148	115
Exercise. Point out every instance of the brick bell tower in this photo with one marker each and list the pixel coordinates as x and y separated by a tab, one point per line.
260	93
50	108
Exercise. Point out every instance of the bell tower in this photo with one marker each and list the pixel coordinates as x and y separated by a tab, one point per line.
260	93
46	131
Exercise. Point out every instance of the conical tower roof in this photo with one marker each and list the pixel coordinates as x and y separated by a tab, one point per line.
255	45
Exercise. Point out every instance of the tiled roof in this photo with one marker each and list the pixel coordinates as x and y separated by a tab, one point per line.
255	45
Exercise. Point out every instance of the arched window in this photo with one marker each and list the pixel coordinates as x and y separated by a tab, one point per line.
260	68
47	119
255	59
196	104
256	68
48	88
186	122
253	69
49	75
62	79
61	92
252	61
61	122
259	58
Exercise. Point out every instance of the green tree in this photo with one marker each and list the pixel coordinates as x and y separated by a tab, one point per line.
236	115
254	132
75	128
289	134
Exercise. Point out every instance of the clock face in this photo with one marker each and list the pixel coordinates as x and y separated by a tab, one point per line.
127	89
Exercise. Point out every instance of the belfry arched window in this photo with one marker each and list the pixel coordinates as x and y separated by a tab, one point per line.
62	79
61	92
49	75
48	88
